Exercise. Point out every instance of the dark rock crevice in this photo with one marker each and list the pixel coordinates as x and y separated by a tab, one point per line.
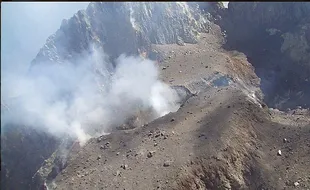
22	151
273	36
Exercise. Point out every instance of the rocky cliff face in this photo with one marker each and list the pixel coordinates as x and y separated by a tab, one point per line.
124	27
275	38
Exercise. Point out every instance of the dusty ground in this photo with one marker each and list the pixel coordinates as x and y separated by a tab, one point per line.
223	138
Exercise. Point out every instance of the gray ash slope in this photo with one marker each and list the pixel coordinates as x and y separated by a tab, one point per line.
133	28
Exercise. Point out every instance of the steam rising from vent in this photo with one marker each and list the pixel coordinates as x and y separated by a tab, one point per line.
85	97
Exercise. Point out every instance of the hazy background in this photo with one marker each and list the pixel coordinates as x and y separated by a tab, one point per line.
25	26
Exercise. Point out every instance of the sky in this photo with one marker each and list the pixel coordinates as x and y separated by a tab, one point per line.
25	26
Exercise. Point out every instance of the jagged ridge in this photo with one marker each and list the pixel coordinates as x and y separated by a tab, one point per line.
124	27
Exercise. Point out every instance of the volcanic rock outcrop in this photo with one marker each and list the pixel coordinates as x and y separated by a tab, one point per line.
124	27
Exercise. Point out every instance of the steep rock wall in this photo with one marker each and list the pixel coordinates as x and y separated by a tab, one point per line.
275	38
124	27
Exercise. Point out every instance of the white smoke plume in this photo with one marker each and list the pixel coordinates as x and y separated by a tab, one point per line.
85	97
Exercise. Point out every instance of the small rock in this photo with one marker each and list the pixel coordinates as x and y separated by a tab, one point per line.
155	144
99	139
164	68
117	153
296	184
117	173
99	157
180	71
285	140
150	154
124	166
279	153
167	163
172	120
